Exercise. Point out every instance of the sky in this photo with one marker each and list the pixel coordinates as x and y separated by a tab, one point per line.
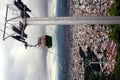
18	63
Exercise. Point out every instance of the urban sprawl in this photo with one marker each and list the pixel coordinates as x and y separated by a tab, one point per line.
87	47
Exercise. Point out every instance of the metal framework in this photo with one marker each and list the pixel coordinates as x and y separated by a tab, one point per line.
7	22
61	20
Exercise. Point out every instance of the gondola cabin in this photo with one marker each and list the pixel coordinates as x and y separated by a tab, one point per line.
45	41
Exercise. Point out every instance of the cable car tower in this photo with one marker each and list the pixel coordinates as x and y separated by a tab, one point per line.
24	19
18	25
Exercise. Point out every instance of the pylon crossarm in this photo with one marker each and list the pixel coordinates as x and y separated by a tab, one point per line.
8	36
12	19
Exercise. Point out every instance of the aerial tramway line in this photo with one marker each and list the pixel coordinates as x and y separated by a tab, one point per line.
43	41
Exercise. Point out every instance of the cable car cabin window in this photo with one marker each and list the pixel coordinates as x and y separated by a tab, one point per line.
45	41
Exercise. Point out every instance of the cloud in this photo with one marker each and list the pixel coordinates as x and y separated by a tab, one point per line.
38	7
52	7
2	61
52	55
28	64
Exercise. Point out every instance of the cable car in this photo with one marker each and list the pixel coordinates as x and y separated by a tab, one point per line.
45	41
